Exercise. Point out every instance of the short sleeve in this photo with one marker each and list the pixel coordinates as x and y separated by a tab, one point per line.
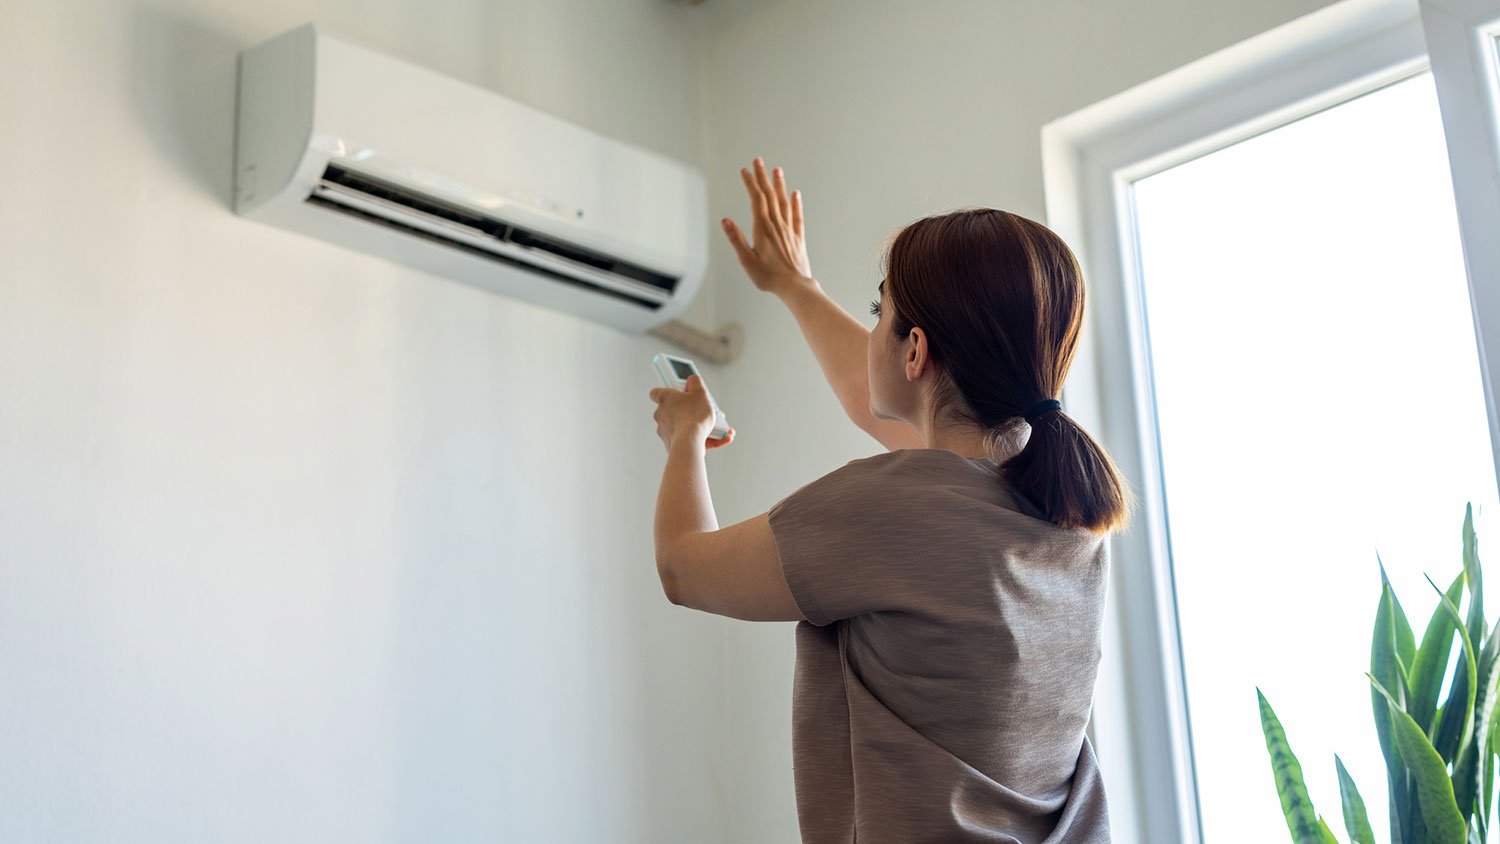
843	543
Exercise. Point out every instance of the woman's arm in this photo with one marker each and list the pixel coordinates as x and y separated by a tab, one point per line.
777	263
732	571
841	345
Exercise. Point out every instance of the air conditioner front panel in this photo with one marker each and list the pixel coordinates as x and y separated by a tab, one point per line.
557	176
599	228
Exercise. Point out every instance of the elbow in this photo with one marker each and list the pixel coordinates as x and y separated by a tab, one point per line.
669	586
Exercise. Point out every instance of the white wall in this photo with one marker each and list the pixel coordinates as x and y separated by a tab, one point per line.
296	545
883	111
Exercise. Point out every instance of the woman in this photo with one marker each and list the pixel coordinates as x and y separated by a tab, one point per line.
949	591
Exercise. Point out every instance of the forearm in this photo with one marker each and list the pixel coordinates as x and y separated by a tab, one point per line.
838	341
683	505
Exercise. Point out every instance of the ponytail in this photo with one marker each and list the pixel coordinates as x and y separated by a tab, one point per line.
1069	476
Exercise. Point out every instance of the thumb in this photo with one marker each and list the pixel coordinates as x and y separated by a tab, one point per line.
737	240
694	383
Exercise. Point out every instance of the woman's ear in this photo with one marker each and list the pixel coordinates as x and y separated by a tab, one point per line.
916	359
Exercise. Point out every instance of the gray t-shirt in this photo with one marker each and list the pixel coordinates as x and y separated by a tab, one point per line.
947	673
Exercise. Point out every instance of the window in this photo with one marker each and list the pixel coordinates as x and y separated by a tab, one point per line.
1318	399
1157	190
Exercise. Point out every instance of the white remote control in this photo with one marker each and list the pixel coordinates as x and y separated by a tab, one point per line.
674	372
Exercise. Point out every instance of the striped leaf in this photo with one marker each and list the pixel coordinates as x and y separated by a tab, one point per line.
1439	811
1431	663
1468	771
1301	820
1385	666
1474	576
1488	793
1406	646
1456	724
1356	821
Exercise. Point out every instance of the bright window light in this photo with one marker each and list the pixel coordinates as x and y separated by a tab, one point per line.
1319	399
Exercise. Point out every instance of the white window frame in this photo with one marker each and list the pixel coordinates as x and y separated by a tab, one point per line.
1090	158
1463	40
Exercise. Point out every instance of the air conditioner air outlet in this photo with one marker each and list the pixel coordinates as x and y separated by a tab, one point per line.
374	186
479	250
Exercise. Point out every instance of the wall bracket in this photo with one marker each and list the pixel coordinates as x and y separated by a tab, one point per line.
720	348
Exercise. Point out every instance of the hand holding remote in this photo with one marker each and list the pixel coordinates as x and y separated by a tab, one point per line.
684	405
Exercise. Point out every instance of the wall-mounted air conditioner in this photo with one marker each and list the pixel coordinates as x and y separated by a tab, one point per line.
347	144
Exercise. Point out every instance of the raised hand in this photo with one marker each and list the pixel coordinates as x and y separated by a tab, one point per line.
778	259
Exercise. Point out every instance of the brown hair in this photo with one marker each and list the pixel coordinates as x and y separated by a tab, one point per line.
1000	298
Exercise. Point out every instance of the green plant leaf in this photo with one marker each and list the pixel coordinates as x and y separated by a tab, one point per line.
1456	725
1301	819
1356	821
1385	666
1431	662
1434	790
1487	795
1325	835
1406	646
1474	575
1468	771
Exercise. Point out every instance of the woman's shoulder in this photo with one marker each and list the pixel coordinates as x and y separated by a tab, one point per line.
921	460
936	465
948	477
919	466
909	469
893	476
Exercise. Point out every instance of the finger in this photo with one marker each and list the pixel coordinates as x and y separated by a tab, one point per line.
758	213
782	201
737	240
763	179
751	188
728	438
797	212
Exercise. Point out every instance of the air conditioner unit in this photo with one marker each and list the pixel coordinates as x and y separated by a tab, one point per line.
346	144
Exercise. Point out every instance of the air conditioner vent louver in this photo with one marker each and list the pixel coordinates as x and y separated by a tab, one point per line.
475	250
340	184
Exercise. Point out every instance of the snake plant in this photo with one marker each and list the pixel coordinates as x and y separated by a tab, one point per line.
1439	754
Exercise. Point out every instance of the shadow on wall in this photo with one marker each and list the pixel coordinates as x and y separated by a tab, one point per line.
183	76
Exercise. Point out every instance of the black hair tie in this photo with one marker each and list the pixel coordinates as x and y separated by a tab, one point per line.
1043	406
